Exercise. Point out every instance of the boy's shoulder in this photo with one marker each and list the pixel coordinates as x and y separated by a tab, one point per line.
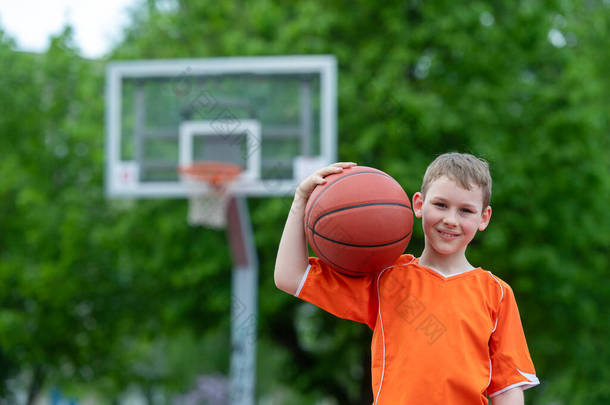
501	283
405	260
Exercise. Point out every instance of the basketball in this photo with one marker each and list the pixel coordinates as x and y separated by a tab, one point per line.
359	221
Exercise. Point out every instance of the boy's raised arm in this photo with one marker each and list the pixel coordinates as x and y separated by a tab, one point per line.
291	261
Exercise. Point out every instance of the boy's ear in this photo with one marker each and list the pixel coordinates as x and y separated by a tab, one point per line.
418	202
485	217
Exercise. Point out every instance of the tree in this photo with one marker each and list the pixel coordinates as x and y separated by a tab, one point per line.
82	298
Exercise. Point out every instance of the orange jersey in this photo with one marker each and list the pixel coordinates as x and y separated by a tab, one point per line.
436	339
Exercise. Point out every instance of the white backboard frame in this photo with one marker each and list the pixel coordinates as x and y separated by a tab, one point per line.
122	176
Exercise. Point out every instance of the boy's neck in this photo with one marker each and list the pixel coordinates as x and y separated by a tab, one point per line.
445	264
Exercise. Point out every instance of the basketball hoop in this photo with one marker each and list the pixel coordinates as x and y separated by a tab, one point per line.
208	208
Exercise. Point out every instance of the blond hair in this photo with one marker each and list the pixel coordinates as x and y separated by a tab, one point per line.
464	169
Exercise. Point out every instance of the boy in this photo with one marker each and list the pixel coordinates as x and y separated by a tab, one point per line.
444	331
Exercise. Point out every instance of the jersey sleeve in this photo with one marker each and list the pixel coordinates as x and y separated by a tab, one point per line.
511	364
347	297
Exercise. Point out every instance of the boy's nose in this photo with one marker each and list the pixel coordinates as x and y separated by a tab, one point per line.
450	219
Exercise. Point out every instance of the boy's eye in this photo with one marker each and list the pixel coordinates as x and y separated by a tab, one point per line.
467	211
440	205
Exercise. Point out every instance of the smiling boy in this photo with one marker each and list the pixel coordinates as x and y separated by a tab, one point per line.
444	331
453	206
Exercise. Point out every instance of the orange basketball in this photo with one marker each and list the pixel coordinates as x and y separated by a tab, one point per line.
359	221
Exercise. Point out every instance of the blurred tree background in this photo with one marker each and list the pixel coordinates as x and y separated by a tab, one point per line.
108	296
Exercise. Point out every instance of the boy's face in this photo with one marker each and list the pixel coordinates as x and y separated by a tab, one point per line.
451	215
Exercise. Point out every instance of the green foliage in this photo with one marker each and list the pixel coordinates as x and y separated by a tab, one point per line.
84	283
92	289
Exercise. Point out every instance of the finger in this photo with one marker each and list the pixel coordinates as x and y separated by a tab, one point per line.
313	181
325	171
307	186
320	180
344	165
335	168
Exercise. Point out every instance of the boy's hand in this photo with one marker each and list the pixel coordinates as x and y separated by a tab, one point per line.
318	177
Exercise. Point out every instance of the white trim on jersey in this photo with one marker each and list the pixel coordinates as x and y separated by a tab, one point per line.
532	381
382	335
302	283
382	332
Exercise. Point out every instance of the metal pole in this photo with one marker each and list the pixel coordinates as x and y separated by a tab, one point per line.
244	310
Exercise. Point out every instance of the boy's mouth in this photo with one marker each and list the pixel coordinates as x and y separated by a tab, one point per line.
447	235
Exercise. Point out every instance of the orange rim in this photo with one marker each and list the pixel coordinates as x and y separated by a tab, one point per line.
216	174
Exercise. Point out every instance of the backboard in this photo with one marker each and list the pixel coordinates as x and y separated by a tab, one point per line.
274	116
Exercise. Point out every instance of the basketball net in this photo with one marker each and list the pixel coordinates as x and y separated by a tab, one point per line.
208	205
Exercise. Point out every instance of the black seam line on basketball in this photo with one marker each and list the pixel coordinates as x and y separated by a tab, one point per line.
313	227
331	262
359	206
327	259
337	180
361	246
